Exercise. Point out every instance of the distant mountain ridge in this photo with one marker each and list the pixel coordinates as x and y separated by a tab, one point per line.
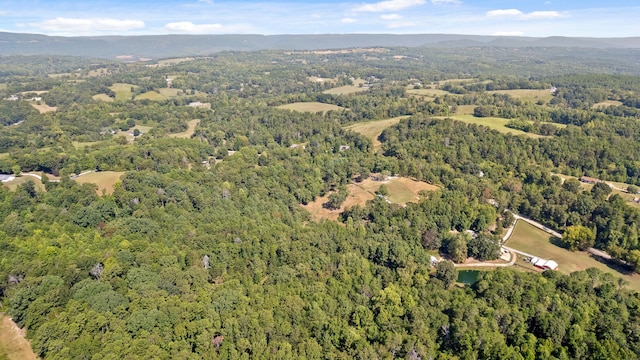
164	46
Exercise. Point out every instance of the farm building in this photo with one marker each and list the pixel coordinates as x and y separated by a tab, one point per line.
544	264
589	180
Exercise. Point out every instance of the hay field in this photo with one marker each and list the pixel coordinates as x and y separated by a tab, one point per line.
529	239
490	122
607	103
312	107
13	345
187	134
104	179
348	89
373	129
526	94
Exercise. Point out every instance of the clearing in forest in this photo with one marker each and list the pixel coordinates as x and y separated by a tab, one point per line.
104	179
13	184
42	107
490	122
348	89
373	129
616	188
429	92
123	91
401	191
607	103
13	345
528	238
102	97
129	133
187	134
151	95
312	107
526	94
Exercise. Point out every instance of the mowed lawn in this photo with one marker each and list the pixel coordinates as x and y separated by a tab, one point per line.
104	179
13	345
13	184
312	107
373	129
529	239
526	94
187	134
490	122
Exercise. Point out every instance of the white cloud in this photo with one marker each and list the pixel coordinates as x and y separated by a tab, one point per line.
206	1
504	12
349	20
88	25
2	13
191	28
401	25
443	2
390	17
388	5
542	15
515	13
508	33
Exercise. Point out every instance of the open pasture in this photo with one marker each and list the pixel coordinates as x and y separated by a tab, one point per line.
312	107
526	94
373	129
528	238
104	179
607	103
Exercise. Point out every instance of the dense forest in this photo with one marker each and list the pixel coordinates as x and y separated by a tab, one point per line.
205	247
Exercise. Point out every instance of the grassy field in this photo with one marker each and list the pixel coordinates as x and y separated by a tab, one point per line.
123	91
401	191
373	129
310	107
320	79
534	241
490	122
428	92
129	133
42	107
607	103
104	179
102	97
169	92
4	155
526	94
13	184
151	95
465	109
348	89
81	145
13	345
187	134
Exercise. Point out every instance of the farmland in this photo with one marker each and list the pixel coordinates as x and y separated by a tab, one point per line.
348	89
532	240
123	91
312	107
526	94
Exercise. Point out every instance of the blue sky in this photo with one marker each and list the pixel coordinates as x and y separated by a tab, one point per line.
613	18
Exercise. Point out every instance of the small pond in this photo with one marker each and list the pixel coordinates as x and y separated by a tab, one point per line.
468	277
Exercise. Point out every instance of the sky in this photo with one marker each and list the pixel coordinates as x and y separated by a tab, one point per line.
535	18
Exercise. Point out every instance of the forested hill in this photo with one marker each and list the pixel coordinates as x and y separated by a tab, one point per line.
162	46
